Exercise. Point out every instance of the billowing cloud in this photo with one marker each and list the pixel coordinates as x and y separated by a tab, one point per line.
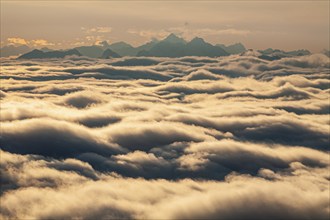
17	40
235	137
297	191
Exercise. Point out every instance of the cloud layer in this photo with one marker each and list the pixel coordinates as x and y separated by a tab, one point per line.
157	138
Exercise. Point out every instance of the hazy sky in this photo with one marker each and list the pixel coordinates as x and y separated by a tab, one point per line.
257	24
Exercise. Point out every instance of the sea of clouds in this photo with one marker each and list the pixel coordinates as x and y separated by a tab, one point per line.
236	137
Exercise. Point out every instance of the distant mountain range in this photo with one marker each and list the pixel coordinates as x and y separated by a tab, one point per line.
171	46
109	54
233	49
39	54
271	54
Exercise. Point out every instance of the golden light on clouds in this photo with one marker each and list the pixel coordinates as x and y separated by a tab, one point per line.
17	40
164	110
165	138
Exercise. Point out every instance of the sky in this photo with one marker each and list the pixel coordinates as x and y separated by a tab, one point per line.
286	25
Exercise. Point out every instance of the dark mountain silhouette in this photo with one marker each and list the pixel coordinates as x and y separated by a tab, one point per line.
301	52
148	45
173	46
276	54
38	54
33	54
12	50
108	53
198	47
144	53
93	51
123	49
270	51
233	49
172	38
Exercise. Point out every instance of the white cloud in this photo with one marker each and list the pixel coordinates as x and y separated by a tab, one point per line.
179	138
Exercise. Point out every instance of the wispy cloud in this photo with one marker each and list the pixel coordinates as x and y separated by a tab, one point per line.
33	43
97	30
41	42
95	34
189	33
149	33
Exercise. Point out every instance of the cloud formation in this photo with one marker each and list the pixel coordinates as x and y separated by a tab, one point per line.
97	30
34	43
297	191
17	40
158	138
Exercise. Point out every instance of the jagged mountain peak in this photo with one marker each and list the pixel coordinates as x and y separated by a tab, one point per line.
172	38
108	53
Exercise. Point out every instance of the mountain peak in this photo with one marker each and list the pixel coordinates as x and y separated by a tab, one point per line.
123	49
108	53
172	38
34	52
38	54
236	48
197	40
120	44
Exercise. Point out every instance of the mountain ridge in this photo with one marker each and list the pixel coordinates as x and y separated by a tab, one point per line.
39	54
170	46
